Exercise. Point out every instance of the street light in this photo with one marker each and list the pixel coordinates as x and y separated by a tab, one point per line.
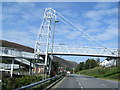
52	42
56	21
54	33
61	44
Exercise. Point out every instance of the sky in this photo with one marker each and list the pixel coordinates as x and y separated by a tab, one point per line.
21	22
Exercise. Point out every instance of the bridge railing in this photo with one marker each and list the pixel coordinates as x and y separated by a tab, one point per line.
85	50
8	66
63	49
15	52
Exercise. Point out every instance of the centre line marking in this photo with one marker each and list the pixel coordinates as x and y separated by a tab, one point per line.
79	84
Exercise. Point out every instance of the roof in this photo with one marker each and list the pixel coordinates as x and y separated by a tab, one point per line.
4	43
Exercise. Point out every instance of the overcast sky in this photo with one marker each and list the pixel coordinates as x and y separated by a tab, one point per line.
21	22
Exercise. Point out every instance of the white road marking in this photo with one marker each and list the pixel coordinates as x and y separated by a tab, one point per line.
103	84
79	84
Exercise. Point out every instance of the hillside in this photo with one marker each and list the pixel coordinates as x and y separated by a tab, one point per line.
103	72
65	63
4	43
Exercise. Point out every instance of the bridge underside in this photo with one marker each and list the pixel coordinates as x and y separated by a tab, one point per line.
77	54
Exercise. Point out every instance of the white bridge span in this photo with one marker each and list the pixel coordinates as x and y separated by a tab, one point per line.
45	41
82	51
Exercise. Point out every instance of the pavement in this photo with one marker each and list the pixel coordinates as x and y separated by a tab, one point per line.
82	82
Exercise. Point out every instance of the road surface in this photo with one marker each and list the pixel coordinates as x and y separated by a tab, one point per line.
82	82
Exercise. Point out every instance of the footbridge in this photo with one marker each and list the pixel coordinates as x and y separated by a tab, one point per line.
45	41
84	51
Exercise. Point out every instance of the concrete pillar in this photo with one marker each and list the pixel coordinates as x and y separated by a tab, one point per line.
50	62
43	72
19	68
30	71
12	66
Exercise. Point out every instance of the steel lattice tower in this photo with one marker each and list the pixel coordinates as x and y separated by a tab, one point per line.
45	35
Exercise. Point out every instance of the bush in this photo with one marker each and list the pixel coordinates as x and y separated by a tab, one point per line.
12	83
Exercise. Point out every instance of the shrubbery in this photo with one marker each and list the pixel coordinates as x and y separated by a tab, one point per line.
11	83
88	64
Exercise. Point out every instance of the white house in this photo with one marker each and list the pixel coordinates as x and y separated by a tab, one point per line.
108	63
68	72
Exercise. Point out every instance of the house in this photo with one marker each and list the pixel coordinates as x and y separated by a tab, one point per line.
68	72
109	63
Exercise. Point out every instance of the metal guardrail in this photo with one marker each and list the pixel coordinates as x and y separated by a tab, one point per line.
37	83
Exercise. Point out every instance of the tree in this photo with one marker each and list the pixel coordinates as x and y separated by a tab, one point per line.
54	68
108	58
79	67
98	60
90	63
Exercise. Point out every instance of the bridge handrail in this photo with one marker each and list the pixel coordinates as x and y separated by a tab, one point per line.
85	50
69	46
63	49
40	82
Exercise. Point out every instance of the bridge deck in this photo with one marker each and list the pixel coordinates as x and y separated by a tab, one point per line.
77	54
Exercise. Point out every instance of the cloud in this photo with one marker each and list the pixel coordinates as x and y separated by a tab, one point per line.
7	17
92	15
21	37
92	23
34	30
68	13
29	5
111	45
25	10
113	22
94	30
102	22
99	14
55	5
62	31
32	15
103	5
110	33
0	33
72	35
28	18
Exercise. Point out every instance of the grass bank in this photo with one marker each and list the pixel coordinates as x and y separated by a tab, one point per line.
111	73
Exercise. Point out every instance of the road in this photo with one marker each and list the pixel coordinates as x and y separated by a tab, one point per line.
83	82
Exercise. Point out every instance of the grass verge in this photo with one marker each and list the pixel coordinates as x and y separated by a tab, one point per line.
110	73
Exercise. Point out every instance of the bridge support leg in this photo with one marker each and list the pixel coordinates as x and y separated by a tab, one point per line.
45	72
43	76
19	69
117	61
37	68
30	71
50	62
11	72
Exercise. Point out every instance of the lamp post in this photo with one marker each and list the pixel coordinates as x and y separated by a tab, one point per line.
53	34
